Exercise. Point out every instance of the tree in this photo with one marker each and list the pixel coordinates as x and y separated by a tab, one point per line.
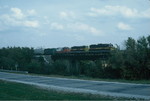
143	57
148	40
34	67
116	63
11	56
130	70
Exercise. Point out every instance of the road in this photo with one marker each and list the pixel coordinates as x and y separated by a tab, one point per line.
83	86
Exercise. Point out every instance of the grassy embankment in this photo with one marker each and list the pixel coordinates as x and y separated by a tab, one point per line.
18	91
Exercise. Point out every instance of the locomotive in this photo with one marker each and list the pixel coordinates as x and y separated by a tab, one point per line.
79	49
101	47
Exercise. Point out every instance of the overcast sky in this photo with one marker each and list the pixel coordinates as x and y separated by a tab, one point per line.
59	23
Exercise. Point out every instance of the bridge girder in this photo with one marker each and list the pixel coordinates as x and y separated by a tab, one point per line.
82	56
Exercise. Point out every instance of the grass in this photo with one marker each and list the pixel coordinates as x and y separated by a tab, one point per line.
18	91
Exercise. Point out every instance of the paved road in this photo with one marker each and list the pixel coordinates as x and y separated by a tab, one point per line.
84	86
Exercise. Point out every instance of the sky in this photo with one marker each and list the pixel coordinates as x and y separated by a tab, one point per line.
60	23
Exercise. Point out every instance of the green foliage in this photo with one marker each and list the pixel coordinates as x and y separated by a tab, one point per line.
136	59
34	67
60	67
11	57
90	68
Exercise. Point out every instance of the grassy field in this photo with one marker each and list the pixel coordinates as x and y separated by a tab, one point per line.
18	91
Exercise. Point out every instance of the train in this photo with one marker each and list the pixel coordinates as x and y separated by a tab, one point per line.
79	49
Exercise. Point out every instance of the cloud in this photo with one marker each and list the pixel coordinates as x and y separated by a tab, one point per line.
18	18
57	26
92	14
113	10
9	20
119	10
146	13
67	15
85	28
33	24
17	13
32	12
76	27
123	26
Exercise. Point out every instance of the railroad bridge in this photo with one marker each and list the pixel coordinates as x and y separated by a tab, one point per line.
73	58
76	56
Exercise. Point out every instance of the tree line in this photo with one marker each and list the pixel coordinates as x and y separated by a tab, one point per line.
16	58
132	62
